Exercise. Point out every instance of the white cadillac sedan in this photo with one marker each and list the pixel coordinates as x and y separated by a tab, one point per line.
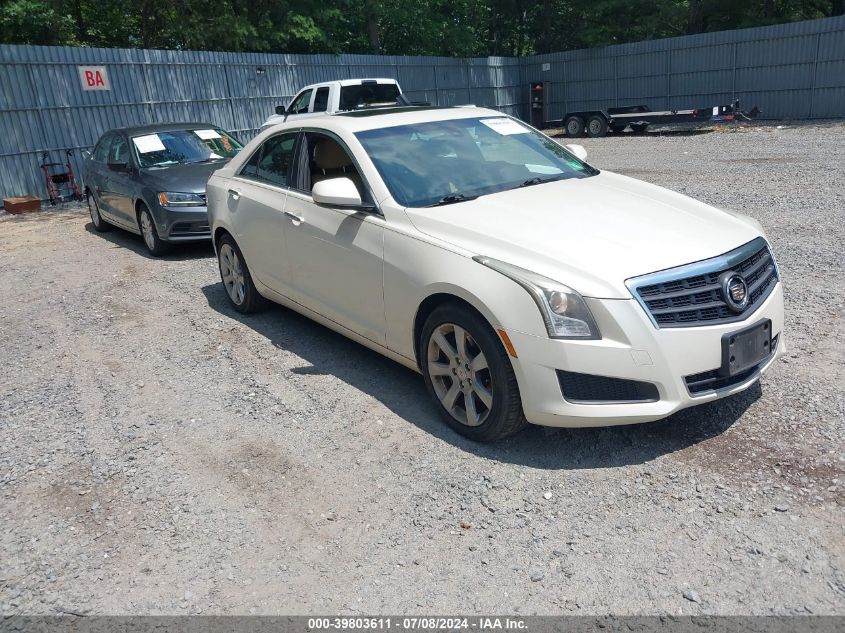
524	284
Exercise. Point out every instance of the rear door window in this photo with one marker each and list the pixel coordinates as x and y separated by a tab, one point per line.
119	150
272	162
101	152
321	99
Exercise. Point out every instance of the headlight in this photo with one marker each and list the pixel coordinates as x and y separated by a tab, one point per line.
170	199
564	311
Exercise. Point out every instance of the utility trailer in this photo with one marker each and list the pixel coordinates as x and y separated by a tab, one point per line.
598	122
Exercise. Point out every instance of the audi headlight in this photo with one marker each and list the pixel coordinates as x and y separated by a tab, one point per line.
564	311
175	199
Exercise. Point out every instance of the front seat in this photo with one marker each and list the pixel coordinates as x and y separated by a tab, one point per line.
332	161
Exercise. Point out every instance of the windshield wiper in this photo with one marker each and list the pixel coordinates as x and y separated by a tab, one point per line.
539	181
204	160
452	198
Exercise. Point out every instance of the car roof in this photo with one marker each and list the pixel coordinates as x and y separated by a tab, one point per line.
372	118
354	82
163	127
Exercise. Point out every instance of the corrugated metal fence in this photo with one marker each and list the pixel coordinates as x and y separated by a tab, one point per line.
43	106
793	70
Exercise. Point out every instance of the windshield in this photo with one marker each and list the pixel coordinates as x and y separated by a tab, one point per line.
181	147
359	96
444	162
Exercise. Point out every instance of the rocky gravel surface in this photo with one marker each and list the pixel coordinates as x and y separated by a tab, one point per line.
160	454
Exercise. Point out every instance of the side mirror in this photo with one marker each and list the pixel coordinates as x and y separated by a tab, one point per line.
336	192
119	166
281	110
578	150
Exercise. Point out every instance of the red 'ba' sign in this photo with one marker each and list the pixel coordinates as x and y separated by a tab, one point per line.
94	78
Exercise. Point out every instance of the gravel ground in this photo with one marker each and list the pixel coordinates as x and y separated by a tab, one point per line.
163	455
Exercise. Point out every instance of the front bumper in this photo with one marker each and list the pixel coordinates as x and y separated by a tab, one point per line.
632	348
184	224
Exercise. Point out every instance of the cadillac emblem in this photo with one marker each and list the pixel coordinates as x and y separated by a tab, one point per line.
734	291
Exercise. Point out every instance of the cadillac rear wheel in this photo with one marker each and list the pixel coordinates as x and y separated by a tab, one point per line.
236	279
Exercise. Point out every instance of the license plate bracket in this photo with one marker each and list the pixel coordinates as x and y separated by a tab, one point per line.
746	348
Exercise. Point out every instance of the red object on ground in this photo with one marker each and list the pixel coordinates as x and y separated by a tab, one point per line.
22	204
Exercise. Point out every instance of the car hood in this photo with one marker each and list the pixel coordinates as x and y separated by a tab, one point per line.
588	233
180	178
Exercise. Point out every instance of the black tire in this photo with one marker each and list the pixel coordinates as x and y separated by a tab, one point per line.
574	126
155	245
249	300
597	126
639	128
504	416
100	225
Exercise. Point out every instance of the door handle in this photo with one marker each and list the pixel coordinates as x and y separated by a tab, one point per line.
234	193
296	219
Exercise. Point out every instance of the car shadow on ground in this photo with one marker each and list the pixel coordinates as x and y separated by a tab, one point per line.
403	392
135	243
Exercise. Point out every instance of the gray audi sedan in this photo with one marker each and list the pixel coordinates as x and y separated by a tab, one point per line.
151	180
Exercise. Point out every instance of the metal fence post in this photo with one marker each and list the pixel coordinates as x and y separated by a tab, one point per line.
37	103
229	95
815	73
669	52
733	76
145	69
469	81
616	78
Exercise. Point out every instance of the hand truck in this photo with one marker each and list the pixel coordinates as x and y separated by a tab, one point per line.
60	179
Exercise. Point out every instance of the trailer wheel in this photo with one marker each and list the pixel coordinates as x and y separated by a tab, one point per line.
597	126
574	126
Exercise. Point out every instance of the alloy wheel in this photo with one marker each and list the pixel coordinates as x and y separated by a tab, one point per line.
94	211
460	374
147	230
232	274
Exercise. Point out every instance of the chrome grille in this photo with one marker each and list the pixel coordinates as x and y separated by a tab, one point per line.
692	295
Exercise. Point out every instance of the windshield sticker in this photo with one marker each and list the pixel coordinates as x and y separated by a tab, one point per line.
148	144
543	169
206	135
213	155
504	126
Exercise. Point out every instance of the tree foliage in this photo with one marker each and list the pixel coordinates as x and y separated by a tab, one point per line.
455	28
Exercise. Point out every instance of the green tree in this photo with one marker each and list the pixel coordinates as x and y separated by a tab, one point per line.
458	28
35	22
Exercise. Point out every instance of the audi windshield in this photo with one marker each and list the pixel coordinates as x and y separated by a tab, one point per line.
181	147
